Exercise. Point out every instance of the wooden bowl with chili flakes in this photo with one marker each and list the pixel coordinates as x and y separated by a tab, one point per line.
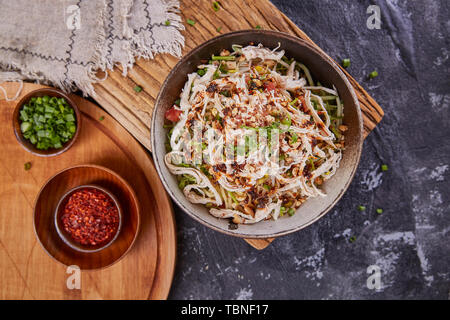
88	218
74	205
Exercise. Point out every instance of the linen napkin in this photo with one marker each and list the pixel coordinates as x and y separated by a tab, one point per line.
65	43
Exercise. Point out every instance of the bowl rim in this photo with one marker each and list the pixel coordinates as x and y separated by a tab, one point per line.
135	199
16	122
357	152
65	237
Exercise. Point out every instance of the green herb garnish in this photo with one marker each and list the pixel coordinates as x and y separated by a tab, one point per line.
379	211
226	58
258	27
346	63
47	122
373	74
167	23
218	29
361	208
216	6
201	72
27	166
384	167
190	22
137	88
101	118
352	239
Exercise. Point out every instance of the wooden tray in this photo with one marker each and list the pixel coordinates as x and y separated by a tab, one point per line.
134	110
26	271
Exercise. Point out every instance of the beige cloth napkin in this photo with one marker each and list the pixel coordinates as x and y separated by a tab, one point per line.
65	42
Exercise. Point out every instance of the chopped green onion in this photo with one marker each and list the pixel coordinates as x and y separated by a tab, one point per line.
101	118
226	58
282	211
137	88
216	6
25	126
361	208
183	165
258	27
291	211
201	72
27	166
379	211
293	101
373	74
287	121
218	29
346	63
384	167
311	162
177	102
190	22
267	187
294	137
352	239
47	122
167	23
233	197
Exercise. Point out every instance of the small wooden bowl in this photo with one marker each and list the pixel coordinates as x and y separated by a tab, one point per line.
66	237
58	186
51	92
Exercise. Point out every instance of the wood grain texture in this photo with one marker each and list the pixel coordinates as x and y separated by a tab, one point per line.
26	271
133	110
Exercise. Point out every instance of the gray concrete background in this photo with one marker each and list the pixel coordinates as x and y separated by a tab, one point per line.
410	240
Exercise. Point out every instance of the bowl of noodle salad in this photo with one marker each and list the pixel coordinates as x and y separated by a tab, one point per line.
256	134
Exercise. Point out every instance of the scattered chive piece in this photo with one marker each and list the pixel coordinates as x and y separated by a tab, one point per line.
379	210
291	211
266	186
361	208
218	29
384	167
190	22
138	89
27	166
258	27
201	72
167	23
352	239
373	74
226	58
101	118
346	63
216	6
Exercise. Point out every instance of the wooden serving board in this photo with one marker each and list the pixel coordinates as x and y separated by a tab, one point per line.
133	110
26	271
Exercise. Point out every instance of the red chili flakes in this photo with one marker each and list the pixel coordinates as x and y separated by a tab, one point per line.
90	217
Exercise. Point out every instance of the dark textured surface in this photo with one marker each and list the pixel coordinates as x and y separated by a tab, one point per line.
410	240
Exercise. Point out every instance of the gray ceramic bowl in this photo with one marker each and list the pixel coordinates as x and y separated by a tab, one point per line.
322	69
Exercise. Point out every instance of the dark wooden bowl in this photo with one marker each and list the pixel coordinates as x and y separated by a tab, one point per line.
51	92
323	69
66	237
58	186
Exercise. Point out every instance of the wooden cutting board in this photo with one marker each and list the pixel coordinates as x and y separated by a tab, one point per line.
133	110
26	271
